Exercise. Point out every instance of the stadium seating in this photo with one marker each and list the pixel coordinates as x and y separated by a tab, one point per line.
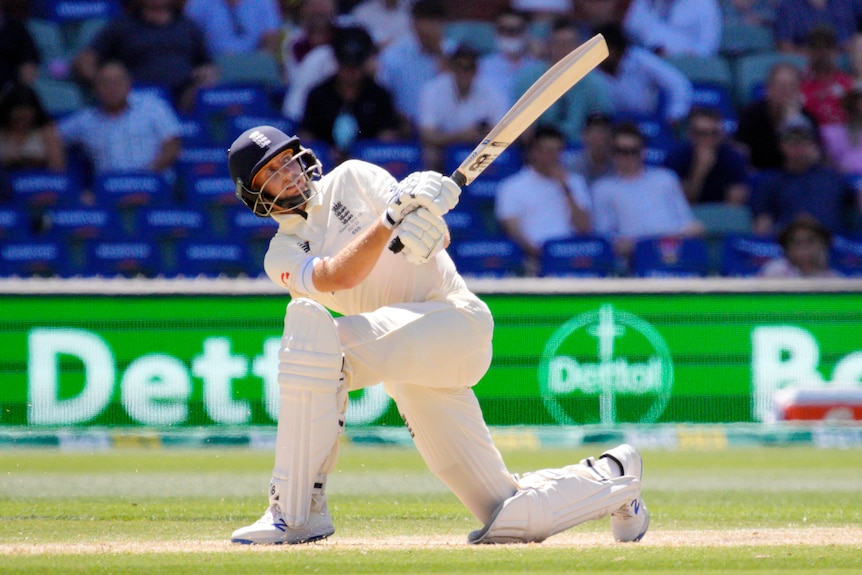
240	224
126	258
583	256
14	224
720	218
80	223
751	72
671	256
171	223
740	39
744	254
238	124
466	222
478	34
704	69
59	97
488	258
846	254
717	97
41	189
212	258
257	68
483	189
34	258
132	189
75	10
398	158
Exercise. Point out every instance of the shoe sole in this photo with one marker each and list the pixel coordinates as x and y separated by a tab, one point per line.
311	539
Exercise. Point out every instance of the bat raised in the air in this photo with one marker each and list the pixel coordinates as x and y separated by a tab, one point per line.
549	88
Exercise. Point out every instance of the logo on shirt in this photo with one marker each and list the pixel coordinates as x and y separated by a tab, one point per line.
304	246
345	216
284	277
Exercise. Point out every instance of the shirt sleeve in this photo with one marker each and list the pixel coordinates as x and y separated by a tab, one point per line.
672	83
284	262
580	192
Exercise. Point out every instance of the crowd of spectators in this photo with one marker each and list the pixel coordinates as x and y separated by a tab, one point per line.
632	152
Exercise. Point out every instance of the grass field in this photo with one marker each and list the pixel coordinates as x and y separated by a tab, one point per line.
758	510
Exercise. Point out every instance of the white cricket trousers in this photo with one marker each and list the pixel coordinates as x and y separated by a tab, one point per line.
429	355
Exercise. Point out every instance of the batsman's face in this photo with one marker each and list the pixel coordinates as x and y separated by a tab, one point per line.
280	178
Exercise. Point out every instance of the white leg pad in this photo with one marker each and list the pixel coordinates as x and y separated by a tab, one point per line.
553	500
311	413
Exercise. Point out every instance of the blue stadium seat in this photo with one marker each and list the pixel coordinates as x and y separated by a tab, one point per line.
671	256
208	191
34	258
485	187
131	189
488	258
744	254
846	254
232	100
582	256
15	224
81	223
466	222
170	223
206	160
43	189
213	258
76	10
236	125
716	97
398	158
242	225
126	258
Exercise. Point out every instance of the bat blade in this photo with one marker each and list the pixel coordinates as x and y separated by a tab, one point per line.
549	88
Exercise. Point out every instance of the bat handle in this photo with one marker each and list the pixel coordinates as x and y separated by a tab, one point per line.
395	246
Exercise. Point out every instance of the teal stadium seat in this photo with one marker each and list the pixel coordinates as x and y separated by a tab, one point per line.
59	97
751	72
740	39
478	34
259	68
703	69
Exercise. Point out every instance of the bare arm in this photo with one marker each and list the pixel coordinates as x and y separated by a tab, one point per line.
351	265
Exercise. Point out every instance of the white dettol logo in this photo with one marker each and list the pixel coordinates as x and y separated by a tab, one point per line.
606	366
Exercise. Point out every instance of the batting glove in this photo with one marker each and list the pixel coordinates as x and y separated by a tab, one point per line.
423	235
430	190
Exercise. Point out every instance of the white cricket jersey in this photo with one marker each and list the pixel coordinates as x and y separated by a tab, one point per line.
352	196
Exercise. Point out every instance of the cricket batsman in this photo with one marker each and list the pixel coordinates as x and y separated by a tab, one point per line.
409	321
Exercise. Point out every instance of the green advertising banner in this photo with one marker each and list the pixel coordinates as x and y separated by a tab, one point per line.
203	360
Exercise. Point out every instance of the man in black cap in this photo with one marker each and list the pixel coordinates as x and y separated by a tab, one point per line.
349	105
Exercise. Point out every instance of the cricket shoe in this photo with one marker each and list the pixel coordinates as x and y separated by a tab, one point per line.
272	529
630	522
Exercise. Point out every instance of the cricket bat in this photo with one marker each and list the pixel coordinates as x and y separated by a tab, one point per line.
549	88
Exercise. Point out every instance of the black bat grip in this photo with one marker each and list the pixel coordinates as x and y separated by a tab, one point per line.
395	246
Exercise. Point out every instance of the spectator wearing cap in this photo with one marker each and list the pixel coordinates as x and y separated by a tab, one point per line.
761	121
803	185
710	169
595	158
824	83
843	142
408	63
349	105
591	95
456	107
805	243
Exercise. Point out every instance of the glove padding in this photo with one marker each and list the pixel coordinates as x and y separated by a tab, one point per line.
430	190
423	235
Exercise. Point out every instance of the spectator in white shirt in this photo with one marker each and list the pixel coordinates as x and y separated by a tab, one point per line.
639	201
457	107
543	200
639	79
675	27
386	20
511	55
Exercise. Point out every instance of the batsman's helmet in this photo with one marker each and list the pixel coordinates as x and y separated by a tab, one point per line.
252	150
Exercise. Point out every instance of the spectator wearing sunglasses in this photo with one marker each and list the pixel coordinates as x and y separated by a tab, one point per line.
639	201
